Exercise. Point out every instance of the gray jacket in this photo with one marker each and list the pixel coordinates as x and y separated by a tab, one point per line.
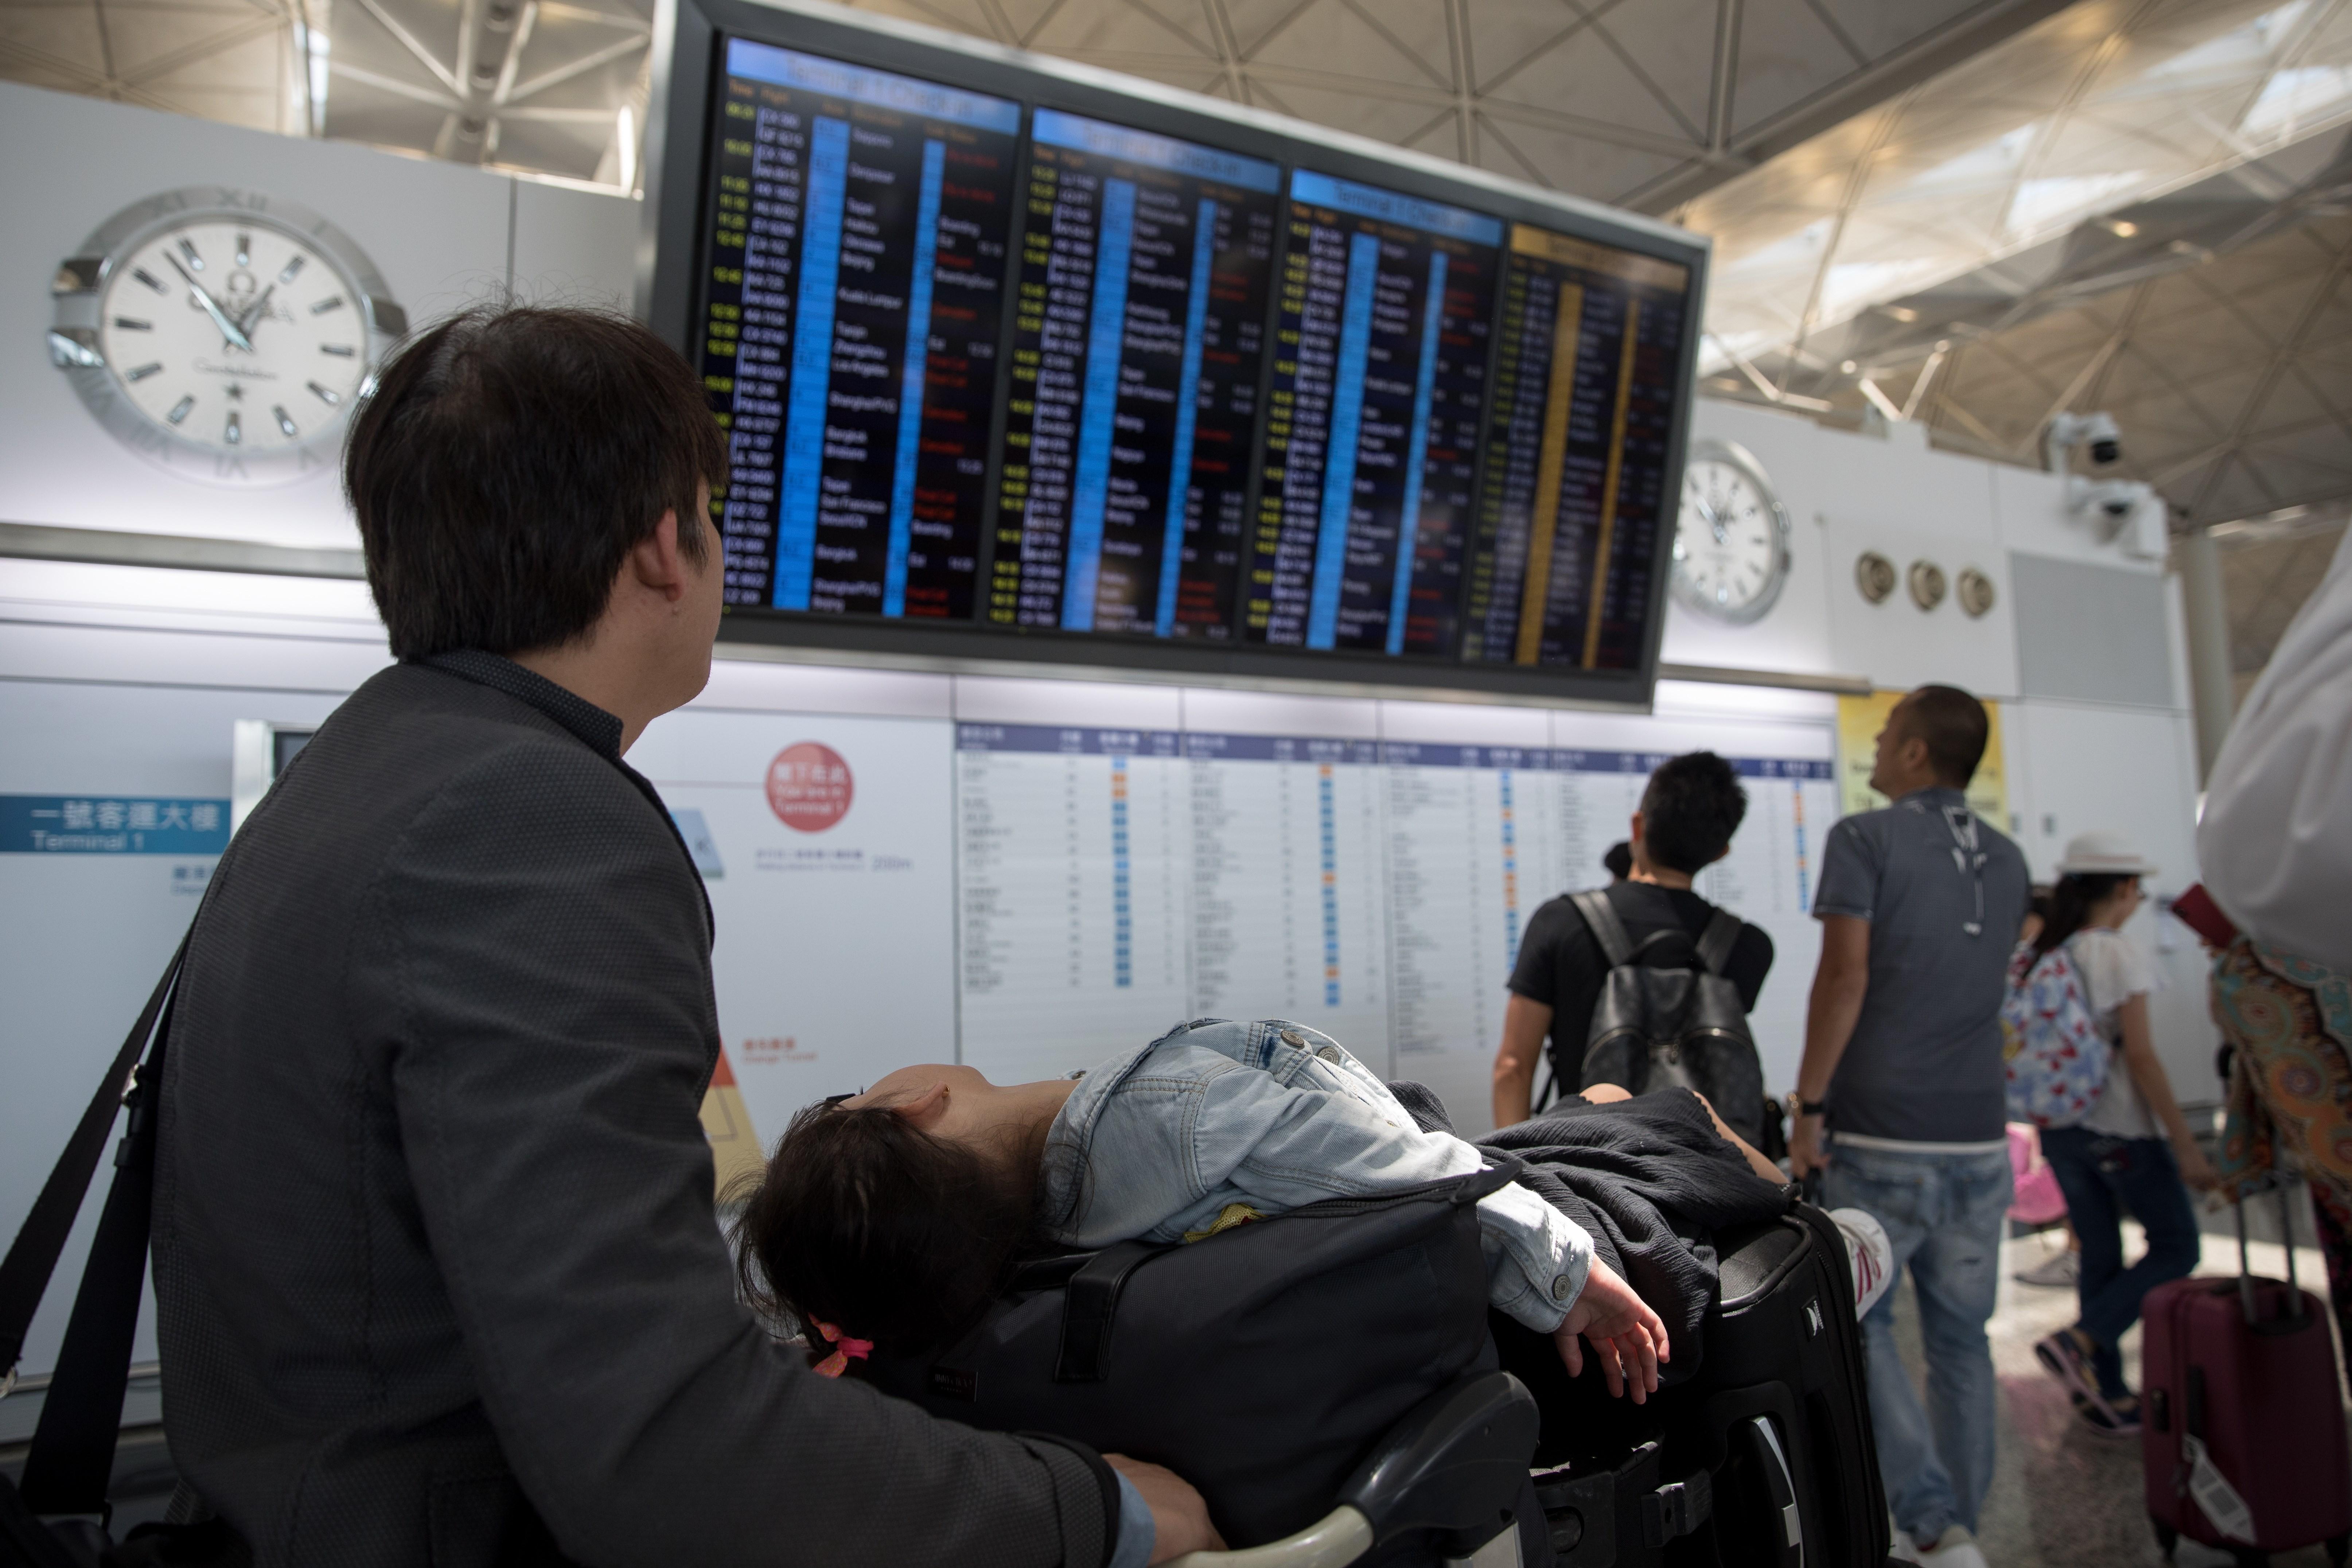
437	1270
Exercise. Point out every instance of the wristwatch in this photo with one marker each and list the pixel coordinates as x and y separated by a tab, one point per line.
1800	1107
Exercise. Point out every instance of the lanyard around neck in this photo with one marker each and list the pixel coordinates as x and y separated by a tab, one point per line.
1968	858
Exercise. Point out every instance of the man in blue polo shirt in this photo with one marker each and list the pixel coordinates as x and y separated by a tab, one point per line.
1920	905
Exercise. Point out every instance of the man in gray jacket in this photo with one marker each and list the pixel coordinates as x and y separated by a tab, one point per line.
435	1254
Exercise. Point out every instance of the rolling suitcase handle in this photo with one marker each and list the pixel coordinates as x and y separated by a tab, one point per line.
2295	1308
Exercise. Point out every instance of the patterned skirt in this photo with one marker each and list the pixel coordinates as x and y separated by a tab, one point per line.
2291	1086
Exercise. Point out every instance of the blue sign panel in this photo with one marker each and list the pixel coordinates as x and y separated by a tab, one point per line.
114	825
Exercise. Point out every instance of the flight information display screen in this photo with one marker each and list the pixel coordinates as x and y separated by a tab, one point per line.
1372	419
1587	364
860	233
1136	346
1007	363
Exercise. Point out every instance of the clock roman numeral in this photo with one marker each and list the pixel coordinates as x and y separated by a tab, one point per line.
142	373
179	409
332	302
327	394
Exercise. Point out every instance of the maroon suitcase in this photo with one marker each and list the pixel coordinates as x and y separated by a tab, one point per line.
2243	1432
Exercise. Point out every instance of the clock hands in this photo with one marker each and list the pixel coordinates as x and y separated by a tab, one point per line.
253	313
229	329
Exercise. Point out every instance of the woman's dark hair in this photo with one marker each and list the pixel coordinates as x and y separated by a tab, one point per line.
1618	861
2070	903
1692	808
506	463
864	1221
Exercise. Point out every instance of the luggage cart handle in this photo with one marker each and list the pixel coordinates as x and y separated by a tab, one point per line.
1339	1538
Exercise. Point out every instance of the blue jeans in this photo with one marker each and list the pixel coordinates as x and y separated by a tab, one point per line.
1943	1214
2103	1176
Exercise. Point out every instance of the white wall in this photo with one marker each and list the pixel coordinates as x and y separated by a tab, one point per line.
442	236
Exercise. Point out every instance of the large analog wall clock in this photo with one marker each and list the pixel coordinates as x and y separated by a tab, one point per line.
223	334
1731	540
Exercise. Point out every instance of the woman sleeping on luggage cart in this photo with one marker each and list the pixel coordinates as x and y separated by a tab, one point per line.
888	1218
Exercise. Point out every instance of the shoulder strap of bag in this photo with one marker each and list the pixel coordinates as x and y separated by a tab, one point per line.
1715	942
1601	918
71	1466
41	1239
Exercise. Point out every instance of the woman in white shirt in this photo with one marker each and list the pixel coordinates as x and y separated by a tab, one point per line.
2132	1153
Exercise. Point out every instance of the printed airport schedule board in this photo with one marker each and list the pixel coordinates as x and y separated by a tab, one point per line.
1020	360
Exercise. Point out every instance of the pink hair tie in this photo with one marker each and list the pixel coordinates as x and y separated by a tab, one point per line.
845	1349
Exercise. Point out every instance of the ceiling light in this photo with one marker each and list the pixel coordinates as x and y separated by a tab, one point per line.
1903	313
1849	367
626	134
2122	228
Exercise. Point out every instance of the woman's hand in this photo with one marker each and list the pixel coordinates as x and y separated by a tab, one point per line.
1179	1517
2195	1169
1625	1333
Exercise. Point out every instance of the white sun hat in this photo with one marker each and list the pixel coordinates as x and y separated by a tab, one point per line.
2104	854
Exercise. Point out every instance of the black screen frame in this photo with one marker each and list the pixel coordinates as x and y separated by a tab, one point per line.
686	70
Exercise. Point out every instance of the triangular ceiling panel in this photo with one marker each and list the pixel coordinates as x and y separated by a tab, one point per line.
1786	55
1125	28
1342	45
1586	77
1672	43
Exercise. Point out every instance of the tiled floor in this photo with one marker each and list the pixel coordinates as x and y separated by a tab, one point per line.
2062	1495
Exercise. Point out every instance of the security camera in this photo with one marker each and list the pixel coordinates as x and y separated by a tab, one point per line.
2115	500
2096	431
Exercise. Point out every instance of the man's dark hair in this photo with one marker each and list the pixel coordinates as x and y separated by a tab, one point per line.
892	1234
1953	726
507	461
1692	808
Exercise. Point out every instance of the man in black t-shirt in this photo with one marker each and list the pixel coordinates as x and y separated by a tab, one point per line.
1693	806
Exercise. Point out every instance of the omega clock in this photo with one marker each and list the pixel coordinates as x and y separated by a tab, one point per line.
222	334
1731	540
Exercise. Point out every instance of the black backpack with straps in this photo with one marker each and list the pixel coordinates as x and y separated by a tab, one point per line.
1668	1016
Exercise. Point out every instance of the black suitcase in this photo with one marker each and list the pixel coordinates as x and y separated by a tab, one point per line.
1762	1453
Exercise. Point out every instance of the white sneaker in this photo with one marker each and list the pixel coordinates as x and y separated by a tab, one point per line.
1956	1548
1870	1253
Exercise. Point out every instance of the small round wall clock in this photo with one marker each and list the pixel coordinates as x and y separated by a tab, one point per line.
221	333
1731	540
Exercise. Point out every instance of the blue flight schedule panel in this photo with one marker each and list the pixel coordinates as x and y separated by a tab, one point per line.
860	228
1576	482
1138	345
1373	420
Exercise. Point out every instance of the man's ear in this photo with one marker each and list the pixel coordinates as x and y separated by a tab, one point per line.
657	563
1634	837
922	1111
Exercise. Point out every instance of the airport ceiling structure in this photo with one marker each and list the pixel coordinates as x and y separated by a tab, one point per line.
1973	213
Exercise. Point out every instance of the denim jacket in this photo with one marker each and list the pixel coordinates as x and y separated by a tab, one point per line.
1158	1140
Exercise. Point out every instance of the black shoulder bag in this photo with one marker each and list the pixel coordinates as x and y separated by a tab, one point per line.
59	1518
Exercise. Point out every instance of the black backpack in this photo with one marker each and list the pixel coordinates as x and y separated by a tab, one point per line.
1262	1364
1668	1017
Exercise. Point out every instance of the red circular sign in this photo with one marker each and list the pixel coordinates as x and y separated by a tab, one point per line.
809	788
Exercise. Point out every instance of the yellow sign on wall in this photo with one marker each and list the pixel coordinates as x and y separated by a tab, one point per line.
1860	719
